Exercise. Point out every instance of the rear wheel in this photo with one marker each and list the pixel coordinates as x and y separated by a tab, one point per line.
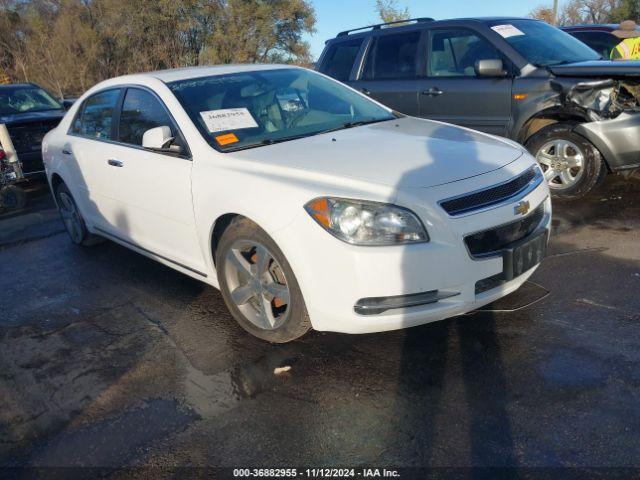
258	284
72	219
572	165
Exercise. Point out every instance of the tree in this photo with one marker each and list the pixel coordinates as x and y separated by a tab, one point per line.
544	13
628	10
389	11
69	45
580	11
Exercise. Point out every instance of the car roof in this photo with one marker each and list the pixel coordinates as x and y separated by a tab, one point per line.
368	30
176	74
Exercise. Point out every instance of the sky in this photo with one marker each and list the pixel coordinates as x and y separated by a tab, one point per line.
334	16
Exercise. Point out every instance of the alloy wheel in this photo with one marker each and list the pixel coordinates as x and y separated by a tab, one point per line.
70	217
257	284
562	163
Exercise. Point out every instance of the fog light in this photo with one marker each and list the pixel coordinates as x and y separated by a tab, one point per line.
377	305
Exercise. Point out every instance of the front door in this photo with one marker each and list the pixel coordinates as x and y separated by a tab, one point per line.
452	92
154	187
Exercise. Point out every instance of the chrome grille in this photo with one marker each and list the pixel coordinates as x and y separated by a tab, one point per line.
491	196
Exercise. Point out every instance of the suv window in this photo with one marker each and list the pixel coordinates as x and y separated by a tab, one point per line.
141	111
340	59
95	119
454	53
393	57
601	42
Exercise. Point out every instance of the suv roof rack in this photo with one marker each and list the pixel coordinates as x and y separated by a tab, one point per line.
380	25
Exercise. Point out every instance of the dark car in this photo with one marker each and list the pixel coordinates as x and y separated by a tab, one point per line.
29	112
598	37
518	78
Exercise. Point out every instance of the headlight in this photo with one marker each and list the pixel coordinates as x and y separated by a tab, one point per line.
367	223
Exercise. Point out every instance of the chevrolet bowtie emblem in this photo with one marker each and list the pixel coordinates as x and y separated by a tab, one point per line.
522	208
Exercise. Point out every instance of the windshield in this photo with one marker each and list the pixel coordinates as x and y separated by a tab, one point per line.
541	44
251	109
22	99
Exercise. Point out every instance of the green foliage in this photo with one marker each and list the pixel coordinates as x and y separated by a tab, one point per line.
628	10
69	45
389	11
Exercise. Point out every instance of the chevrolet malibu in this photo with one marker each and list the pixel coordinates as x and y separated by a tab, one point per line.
306	203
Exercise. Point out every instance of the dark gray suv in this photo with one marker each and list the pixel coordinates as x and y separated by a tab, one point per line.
518	78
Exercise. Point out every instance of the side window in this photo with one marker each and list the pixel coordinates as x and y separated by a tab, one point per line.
141	111
601	42
340	58
96	116
454	53
393	57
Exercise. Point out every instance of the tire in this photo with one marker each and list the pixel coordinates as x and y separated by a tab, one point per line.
13	198
574	172
71	217
250	269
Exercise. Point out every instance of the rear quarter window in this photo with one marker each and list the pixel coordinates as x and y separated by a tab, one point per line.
340	58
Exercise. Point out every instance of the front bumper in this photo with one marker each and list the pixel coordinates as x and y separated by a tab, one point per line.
618	140
334	276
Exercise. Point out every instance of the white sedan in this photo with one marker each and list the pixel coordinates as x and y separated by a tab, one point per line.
306	203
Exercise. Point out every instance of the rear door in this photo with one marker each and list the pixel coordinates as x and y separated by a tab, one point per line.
452	92
86	154
390	72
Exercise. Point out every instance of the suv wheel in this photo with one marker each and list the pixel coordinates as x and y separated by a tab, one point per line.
571	164
258	285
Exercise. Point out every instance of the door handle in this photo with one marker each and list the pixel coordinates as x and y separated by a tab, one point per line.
66	152
433	92
115	163
366	91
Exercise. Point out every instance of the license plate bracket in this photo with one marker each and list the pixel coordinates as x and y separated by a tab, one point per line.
524	255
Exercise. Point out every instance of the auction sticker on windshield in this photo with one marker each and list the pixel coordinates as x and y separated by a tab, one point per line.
507	31
228	119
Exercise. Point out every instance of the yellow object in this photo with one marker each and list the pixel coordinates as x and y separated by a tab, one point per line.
627	49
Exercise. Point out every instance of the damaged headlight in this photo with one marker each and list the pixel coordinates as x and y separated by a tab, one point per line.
361	222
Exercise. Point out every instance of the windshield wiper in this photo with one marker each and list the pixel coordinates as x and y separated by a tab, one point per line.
359	123
267	141
273	141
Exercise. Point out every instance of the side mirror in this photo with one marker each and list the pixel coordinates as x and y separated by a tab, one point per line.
490	68
160	139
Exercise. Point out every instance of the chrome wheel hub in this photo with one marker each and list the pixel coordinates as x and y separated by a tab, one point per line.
257	284
562	163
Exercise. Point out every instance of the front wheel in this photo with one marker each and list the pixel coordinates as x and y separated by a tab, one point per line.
258	285
572	165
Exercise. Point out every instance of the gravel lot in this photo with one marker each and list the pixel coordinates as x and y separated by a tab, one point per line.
110	359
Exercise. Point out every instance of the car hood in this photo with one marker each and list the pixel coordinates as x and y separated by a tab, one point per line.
32	116
407	152
598	68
